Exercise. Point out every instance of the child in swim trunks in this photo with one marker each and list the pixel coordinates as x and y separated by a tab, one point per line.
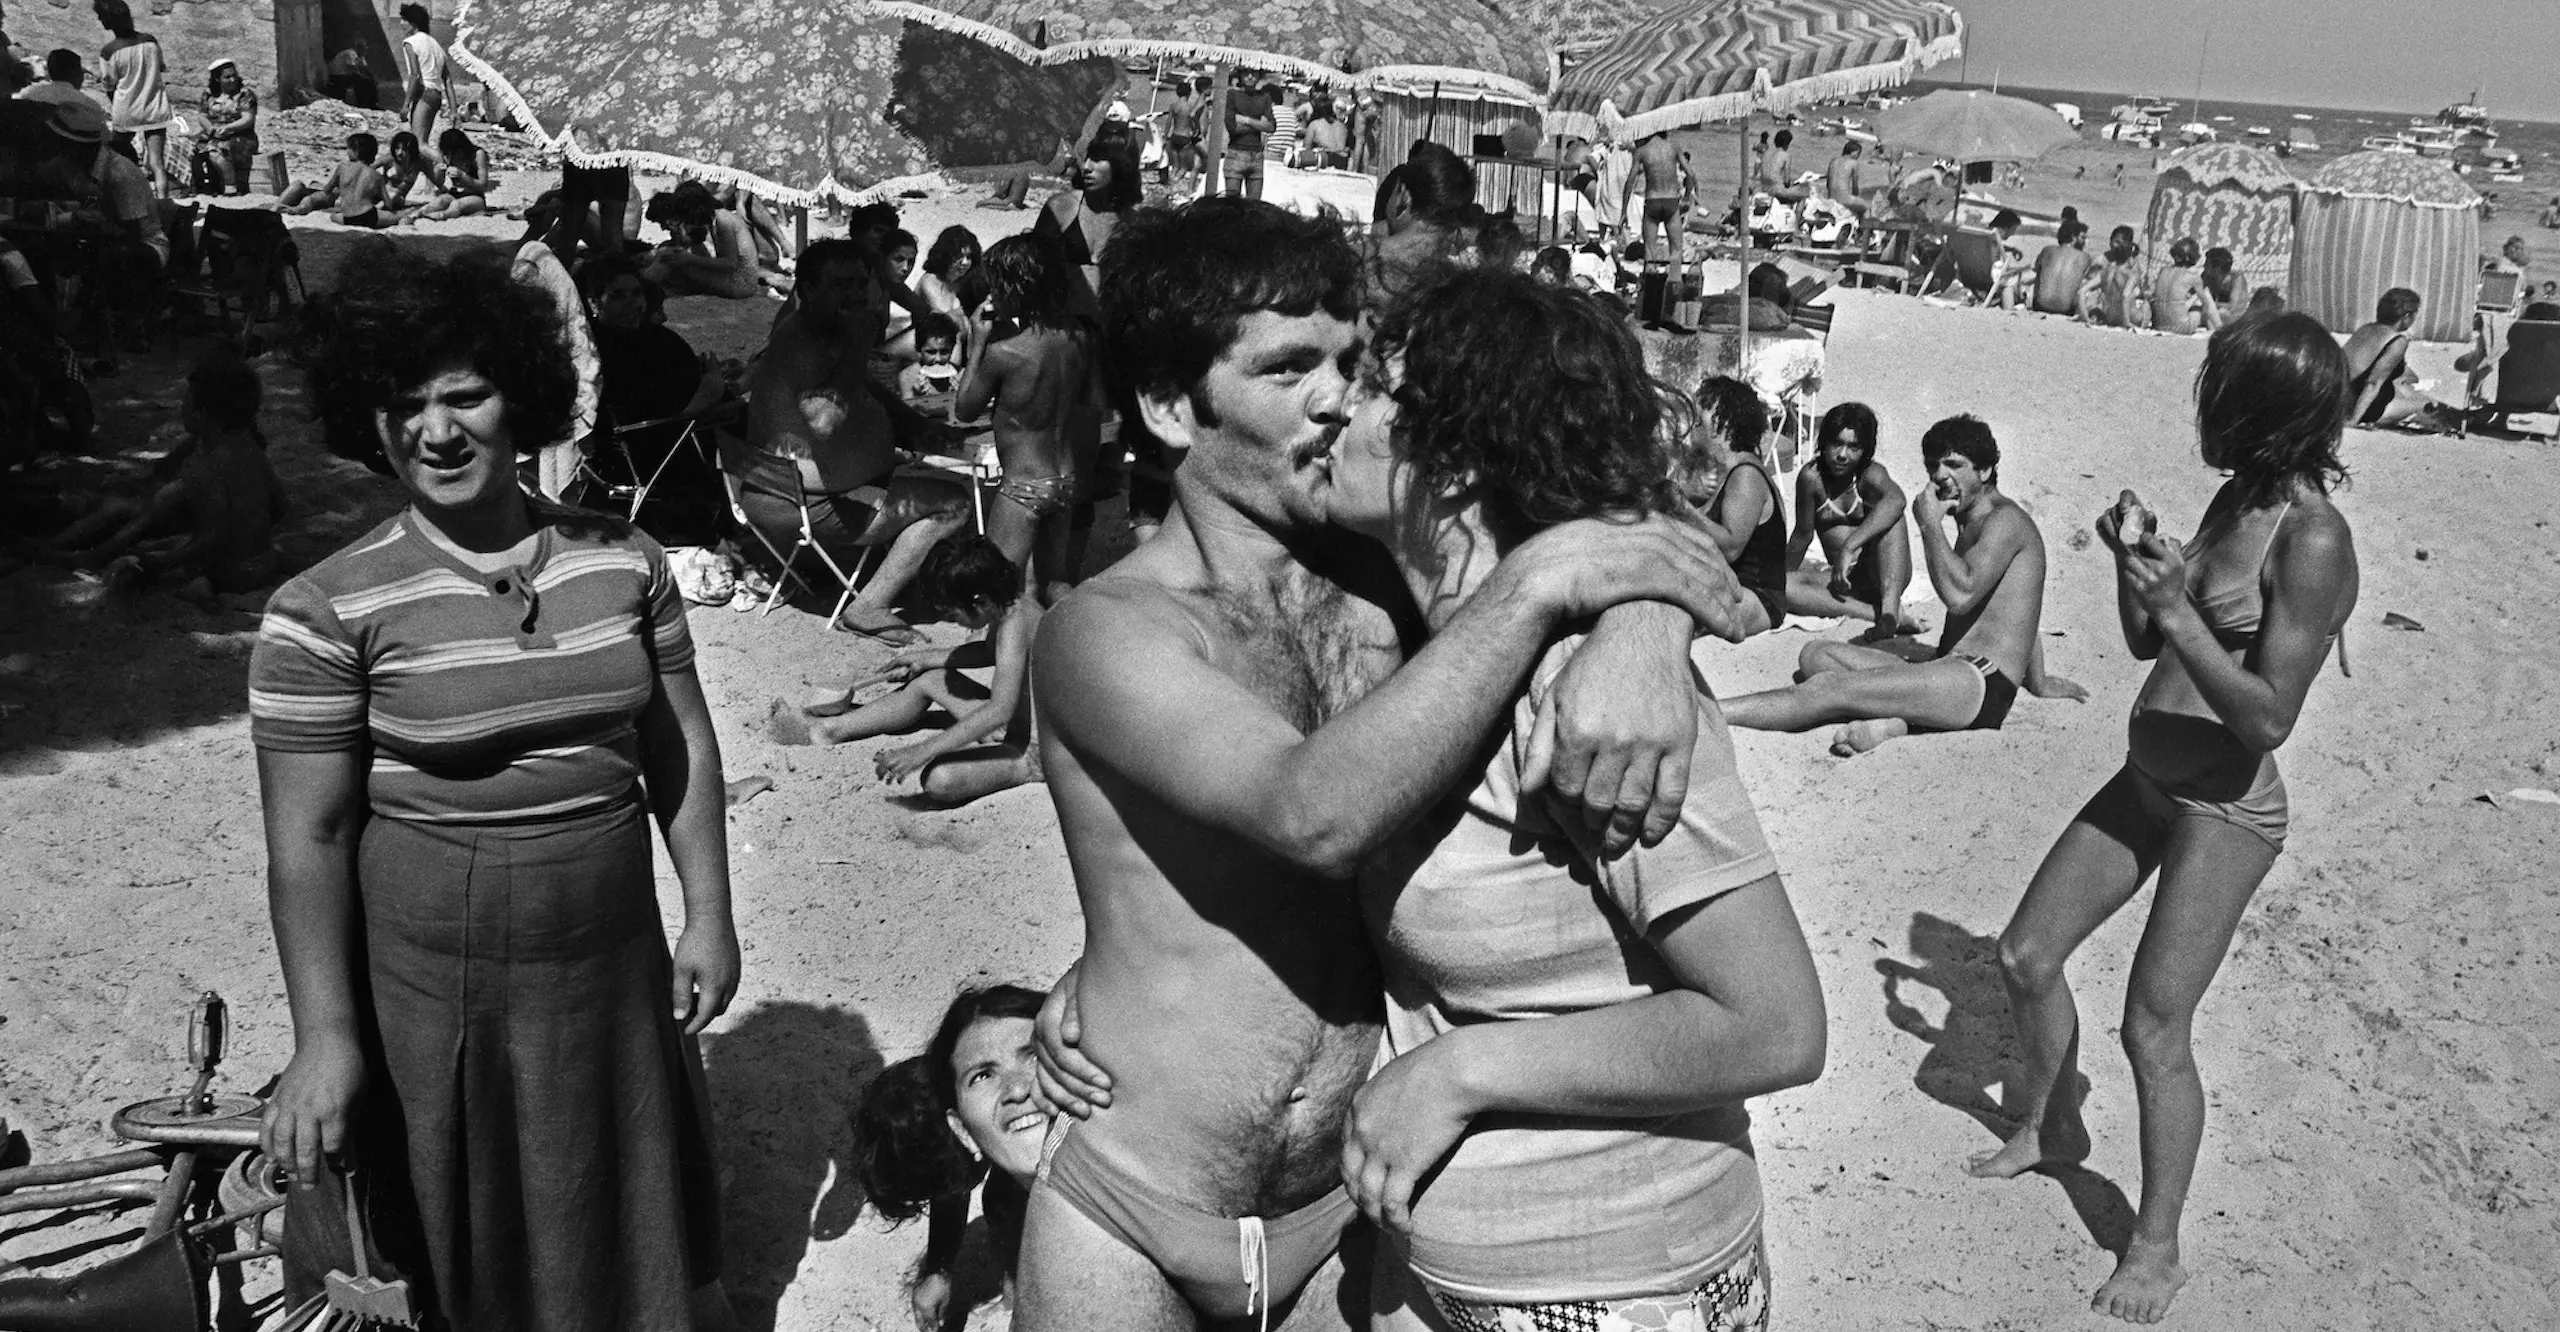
353	191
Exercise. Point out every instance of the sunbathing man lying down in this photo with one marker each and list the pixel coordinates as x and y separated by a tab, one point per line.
1991	577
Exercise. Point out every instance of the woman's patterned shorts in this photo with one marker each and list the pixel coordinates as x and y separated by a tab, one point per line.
1733	1300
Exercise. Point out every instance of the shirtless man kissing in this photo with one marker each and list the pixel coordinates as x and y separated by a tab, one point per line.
1221	763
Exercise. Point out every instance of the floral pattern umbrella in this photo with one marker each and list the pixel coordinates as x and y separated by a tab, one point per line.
851	101
1458	43
1721	61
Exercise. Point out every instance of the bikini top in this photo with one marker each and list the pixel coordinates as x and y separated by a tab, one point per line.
2235	611
1849	506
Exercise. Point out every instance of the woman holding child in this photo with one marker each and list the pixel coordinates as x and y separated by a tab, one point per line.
2238	622
1569	1040
487	1022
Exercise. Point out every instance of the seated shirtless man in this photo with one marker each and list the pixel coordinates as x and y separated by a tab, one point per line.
814	410
1991	578
1221	763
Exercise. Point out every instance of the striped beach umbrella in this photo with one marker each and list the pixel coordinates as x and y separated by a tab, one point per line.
799	101
2373	221
1460	44
2232	195
1722	61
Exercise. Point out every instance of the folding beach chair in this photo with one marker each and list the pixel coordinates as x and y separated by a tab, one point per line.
639	472
1967	259
2498	291
2528	400
744	470
247	255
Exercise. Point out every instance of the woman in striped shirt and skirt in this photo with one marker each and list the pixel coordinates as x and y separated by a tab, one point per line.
462	720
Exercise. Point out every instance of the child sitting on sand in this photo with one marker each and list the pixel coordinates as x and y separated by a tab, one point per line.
462	180
1847	498
963	1115
216	504
937	338
353	190
982	590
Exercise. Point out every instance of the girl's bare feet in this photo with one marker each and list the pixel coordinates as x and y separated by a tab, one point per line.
2146	1279
2027	1148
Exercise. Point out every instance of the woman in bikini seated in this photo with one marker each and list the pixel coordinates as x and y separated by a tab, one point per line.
2237	623
1033	363
959	1117
1720	472
987	747
1848	499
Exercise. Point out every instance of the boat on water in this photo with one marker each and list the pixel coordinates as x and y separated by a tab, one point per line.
2500	159
2387	143
2507	177
2196	131
2260	132
2466	114
2070	113
2222	120
2431	140
2154	106
2302	115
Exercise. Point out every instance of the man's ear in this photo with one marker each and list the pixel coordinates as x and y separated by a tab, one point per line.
1170	418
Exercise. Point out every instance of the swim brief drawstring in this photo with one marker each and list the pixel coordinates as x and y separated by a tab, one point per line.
1253	1250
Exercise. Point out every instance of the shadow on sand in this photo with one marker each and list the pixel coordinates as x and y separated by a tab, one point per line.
1976	1049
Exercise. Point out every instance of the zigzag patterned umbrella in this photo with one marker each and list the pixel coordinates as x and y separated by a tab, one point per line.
1457	43
1726	60
799	102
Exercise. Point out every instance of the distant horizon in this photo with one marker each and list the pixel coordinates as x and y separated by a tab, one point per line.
1931	81
2352	55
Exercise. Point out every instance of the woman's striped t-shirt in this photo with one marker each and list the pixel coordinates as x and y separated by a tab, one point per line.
498	697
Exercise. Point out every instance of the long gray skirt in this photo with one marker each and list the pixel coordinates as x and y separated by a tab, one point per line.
535	1136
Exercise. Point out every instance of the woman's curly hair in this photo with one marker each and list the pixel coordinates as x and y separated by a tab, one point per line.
1533	397
2272	403
400	320
905	1153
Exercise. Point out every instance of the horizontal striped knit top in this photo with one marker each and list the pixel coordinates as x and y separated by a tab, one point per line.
500	697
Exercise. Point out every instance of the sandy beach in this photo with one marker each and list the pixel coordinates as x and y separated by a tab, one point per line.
2379	1052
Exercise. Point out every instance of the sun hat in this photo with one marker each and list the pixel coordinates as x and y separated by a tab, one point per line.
219	62
80	122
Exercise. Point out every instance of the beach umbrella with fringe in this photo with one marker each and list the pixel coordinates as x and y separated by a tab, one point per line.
1723	61
800	101
2233	195
1459	44
1970	125
2373	221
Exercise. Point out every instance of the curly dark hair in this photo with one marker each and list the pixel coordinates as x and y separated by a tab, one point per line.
403	320
905	1154
1967	436
2272	403
1735	410
1533	395
964	571
1177	284
1027	278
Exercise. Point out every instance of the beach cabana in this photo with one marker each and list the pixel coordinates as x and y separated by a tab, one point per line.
2233	195
2369	222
